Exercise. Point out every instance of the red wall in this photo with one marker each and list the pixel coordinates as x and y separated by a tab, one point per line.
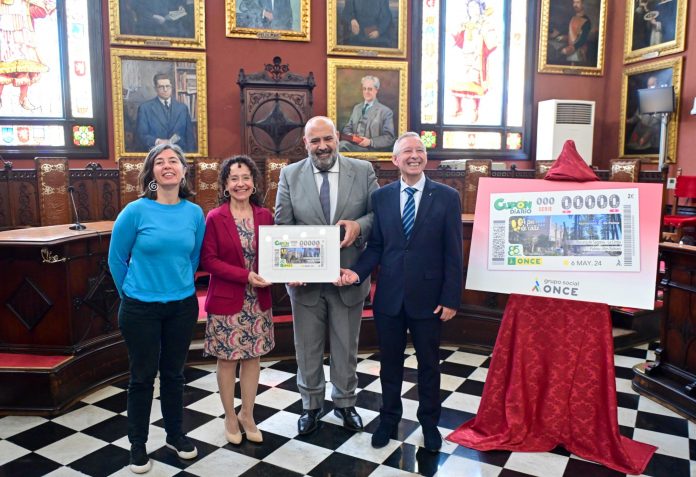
225	56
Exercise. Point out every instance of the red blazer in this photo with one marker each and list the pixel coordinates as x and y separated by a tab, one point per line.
221	256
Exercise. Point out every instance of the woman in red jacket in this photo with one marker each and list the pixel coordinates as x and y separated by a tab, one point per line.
240	326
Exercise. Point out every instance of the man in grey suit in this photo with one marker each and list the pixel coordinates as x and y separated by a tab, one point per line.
371	124
326	188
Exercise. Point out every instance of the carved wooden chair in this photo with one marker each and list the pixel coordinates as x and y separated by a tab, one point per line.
624	170
541	168
54	201
207	171
128	170
475	169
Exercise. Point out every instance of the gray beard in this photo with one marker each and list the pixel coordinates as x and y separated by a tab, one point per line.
324	164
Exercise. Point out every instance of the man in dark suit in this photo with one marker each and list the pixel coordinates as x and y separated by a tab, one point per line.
417	241
164	120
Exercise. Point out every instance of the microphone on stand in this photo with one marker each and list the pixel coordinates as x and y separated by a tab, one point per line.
77	225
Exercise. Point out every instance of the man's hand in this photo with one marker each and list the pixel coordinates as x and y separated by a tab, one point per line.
296	284
256	281
159	19
365	142
348	277
159	141
447	313
352	232
354	27
373	34
268	15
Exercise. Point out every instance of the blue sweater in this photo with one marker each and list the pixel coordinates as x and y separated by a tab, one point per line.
155	249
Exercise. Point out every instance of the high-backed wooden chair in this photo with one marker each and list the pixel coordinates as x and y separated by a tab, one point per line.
475	169
541	168
128	170
273	165
624	170
685	189
206	183
54	202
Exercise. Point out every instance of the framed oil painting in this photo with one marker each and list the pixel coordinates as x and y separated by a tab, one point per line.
654	28
159	96
639	134
572	37
157	23
367	27
268	19
367	99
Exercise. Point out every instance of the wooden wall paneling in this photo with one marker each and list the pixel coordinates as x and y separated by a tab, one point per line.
271	175
624	170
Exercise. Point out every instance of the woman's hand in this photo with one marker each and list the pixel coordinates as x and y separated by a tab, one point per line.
256	281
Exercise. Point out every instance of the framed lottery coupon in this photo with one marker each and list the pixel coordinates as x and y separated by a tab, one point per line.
589	241
299	253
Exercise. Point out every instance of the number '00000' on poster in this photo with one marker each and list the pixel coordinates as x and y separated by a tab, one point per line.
575	230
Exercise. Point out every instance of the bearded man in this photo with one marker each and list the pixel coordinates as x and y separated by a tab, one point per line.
326	188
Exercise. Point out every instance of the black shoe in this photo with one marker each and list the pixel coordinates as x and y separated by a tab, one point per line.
308	421
139	461
351	418
183	447
382	435
432	439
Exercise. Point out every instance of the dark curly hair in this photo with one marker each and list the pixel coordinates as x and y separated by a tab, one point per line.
256	197
146	174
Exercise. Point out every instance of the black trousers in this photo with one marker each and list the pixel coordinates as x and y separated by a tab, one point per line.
425	334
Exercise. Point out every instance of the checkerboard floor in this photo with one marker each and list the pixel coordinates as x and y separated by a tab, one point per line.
91	438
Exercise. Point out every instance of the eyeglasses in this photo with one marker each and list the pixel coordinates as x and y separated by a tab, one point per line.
164	86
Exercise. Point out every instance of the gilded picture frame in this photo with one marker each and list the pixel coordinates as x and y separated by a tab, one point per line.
639	134
654	28
572	37
384	36
178	23
287	20
142	80
384	120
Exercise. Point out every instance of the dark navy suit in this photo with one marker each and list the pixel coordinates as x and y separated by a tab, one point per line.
415	276
155	122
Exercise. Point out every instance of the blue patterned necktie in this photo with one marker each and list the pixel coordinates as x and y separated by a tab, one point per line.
325	196
409	216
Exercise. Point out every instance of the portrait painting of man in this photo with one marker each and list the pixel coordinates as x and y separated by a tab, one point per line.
159	104
573	32
161	18
268	14
369	105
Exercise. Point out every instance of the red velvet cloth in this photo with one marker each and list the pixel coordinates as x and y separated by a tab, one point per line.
569	166
551	382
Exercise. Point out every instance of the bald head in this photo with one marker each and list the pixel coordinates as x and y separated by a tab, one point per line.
318	121
321	141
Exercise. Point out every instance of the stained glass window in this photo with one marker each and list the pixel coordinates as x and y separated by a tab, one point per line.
51	79
474	69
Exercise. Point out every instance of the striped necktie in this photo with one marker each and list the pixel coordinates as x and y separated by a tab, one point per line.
409	216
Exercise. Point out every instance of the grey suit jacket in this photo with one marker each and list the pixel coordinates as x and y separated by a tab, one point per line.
377	125
297	203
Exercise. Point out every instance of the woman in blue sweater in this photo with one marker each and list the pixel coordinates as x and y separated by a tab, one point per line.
154	252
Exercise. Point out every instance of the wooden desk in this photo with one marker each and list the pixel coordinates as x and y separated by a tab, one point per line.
57	298
671	379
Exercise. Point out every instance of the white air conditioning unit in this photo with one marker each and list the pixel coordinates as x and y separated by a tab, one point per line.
561	119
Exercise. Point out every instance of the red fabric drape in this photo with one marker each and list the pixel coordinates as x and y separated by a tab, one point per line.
551	382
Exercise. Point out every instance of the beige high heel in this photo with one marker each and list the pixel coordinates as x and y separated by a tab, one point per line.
254	436
233	438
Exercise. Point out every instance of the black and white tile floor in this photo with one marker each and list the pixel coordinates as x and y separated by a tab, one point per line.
91	438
